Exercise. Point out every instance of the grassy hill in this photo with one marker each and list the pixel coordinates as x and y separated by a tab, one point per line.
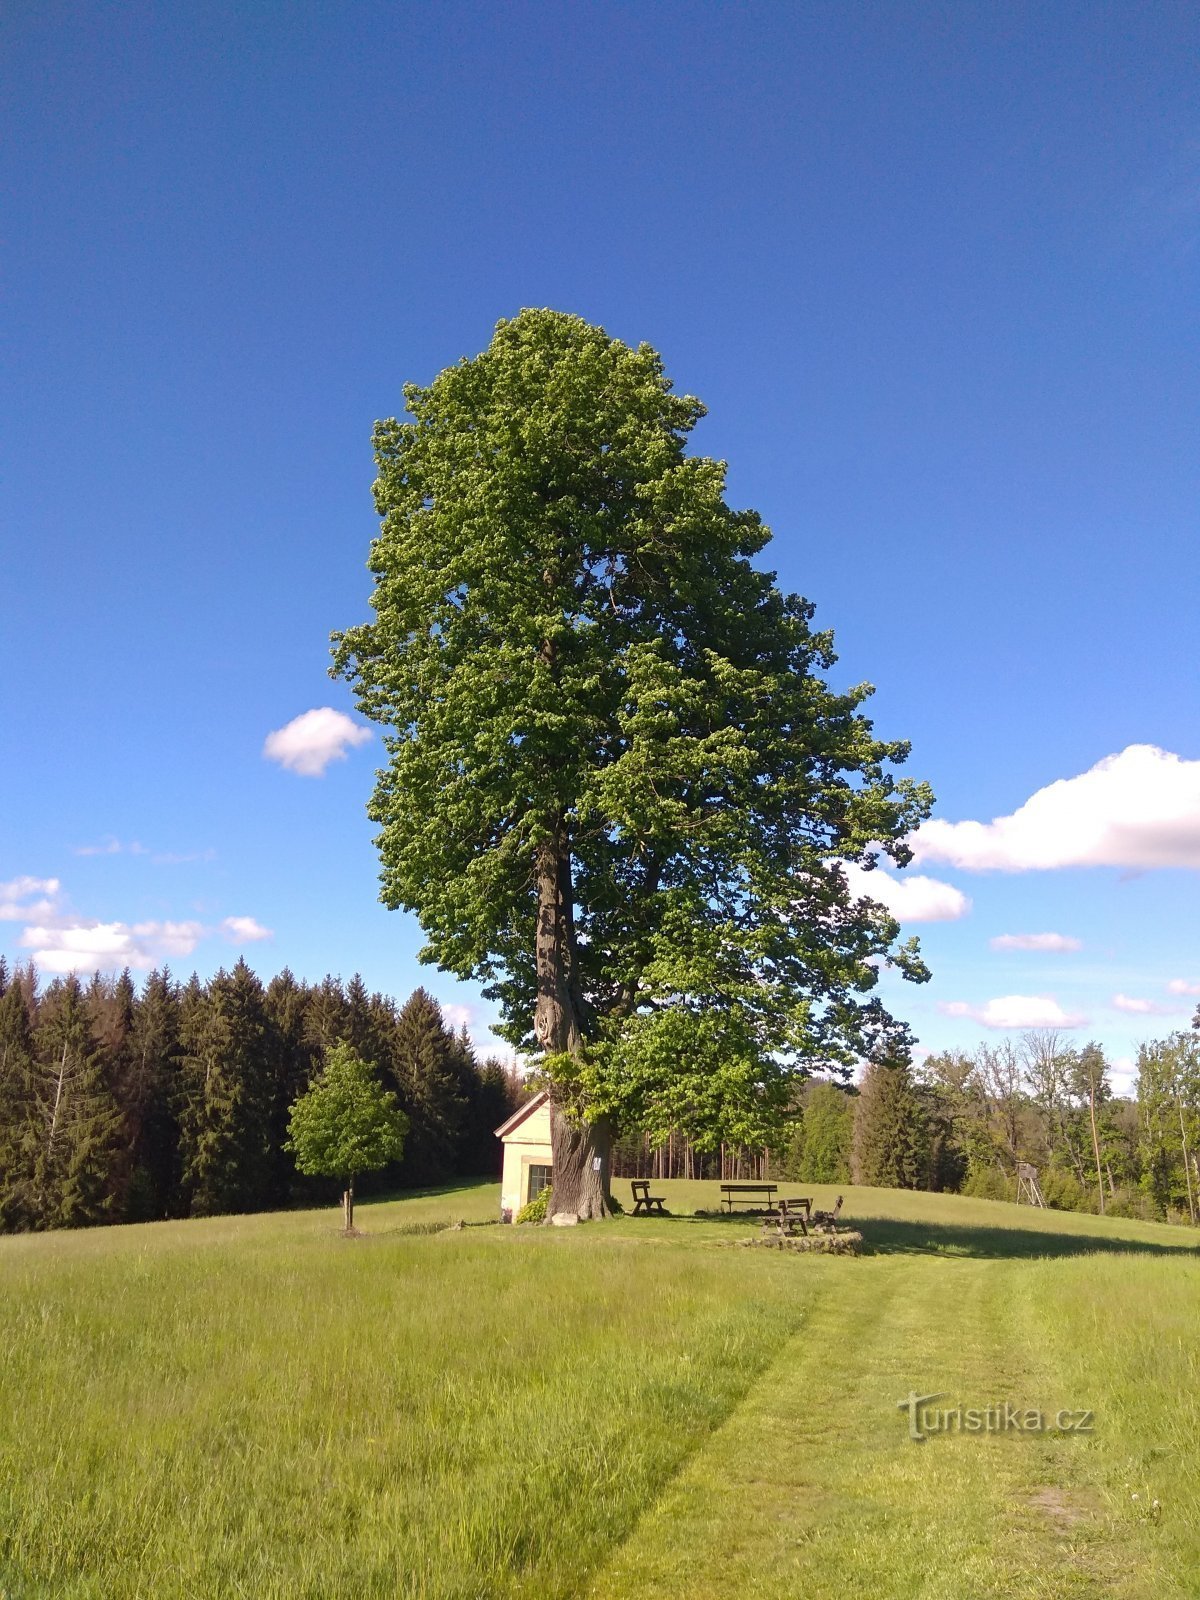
257	1407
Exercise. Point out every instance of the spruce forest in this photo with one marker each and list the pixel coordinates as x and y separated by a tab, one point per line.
127	1105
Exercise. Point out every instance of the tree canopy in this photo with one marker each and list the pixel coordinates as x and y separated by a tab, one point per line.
618	789
346	1123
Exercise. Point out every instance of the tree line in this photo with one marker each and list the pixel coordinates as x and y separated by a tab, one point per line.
964	1121
120	1104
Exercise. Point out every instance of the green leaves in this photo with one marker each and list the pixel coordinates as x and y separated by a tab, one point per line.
346	1123
571	641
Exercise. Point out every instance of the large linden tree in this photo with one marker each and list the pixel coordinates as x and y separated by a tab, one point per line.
618	789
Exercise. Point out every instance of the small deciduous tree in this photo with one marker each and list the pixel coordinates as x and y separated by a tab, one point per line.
347	1123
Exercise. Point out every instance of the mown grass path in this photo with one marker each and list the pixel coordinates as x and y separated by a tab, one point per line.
813	1487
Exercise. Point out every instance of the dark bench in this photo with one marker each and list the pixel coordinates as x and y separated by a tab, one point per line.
792	1212
643	1200
827	1220
751	1194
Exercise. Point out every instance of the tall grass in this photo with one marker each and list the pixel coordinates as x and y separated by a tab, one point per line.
258	1407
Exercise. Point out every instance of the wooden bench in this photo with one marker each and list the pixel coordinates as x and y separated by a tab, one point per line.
644	1201
751	1194
791	1213
827	1220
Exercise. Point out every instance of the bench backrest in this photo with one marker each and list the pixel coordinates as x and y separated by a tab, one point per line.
639	1183
742	1188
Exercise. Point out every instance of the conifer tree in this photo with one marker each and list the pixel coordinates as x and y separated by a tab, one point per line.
358	1024
325	1015
296	1061
492	1102
110	1007
228	1065
150	1099
16	1107
426	1065
887	1151
75	1135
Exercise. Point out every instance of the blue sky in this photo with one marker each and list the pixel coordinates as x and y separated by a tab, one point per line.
932	268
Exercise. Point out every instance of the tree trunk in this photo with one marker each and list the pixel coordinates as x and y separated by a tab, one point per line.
348	1204
581	1151
1187	1171
1096	1143
582	1161
557	1022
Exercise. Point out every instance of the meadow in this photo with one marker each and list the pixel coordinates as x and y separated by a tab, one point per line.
258	1407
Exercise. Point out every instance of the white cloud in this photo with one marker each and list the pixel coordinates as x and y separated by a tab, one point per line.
88	946
914	899
21	888
161	858
309	742
244	929
1035	941
1123	1075
1143	1008
1139	808
1015	1011
1126	1002
1182	986
15	904
58	939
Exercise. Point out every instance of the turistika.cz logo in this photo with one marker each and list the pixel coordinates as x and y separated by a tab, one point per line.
926	1418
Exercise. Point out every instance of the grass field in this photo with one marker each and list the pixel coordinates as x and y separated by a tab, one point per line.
257	1407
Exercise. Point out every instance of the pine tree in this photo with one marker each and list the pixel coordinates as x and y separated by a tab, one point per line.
296	1062
226	1151
427	1067
110	1007
491	1102
358	1023
325	1016
888	1145
149	1097
74	1140
16	1107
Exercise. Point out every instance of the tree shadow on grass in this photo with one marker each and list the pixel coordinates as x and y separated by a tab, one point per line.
433	1191
885	1236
